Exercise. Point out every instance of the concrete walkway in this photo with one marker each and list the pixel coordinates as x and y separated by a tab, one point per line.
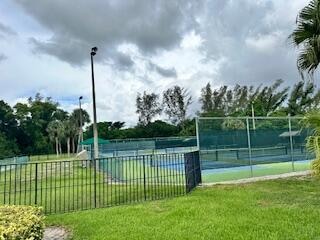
55	233
257	179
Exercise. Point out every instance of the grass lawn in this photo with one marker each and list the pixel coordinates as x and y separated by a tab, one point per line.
63	186
279	209
52	157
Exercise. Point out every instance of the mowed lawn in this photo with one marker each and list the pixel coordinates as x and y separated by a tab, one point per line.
278	209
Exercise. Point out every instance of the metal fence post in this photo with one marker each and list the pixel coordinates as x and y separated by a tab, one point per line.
197	132
249	146
194	169
95	183
144	178
36	185
291	142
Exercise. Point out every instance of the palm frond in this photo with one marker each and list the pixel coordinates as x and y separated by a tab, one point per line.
306	36
312	121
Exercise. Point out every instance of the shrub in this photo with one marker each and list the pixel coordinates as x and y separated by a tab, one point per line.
316	167
312	121
21	222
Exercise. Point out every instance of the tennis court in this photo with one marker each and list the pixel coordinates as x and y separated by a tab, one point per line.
235	148
229	148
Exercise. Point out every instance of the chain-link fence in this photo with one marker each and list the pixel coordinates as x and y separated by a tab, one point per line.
14	160
234	148
145	146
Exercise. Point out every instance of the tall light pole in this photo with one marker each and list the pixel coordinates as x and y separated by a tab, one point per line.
253	120
95	130
80	121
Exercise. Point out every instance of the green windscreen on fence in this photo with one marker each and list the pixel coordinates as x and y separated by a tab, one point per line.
14	160
145	146
234	148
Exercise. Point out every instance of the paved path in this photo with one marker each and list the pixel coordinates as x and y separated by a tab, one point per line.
263	178
55	233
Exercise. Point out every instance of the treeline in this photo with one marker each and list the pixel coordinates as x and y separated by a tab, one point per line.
38	127
224	101
41	126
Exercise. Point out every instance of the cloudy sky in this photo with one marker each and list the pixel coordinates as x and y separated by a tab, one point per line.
144	45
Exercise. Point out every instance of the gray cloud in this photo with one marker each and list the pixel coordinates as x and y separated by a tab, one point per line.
6	30
165	72
77	26
3	57
251	39
66	49
123	61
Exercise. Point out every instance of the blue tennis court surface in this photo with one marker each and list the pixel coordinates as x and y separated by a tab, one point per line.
248	168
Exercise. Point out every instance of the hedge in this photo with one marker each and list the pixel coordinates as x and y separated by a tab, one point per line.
21	222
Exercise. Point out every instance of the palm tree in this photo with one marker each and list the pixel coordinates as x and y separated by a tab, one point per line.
75	118
55	130
306	36
312	121
70	132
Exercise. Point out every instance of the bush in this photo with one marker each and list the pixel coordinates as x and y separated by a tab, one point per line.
316	167
21	222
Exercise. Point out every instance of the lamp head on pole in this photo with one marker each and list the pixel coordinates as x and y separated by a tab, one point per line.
94	51
80	98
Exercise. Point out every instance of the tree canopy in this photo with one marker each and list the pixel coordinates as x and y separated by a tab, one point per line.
41	126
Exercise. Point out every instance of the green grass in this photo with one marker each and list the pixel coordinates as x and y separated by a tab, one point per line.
51	157
258	170
63	186
279	209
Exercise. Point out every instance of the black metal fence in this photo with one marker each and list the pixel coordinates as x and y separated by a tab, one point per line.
63	186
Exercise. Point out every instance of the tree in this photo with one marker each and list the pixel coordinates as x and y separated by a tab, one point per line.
159	128
189	128
117	125
176	101
8	147
269	99
306	37
55	130
107	130
71	130
213	101
8	123
8	130
206	99
147	107
238	101
75	116
302	98
33	119
60	114
233	124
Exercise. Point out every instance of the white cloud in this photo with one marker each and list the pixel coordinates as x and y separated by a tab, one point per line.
267	43
191	41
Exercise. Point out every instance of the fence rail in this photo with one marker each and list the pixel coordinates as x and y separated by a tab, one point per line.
70	185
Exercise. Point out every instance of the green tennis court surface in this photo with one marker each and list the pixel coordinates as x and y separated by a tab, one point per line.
233	173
